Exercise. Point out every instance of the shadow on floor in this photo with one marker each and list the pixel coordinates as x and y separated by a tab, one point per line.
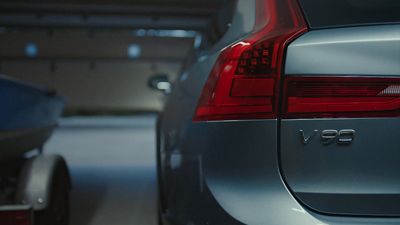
112	163
113	196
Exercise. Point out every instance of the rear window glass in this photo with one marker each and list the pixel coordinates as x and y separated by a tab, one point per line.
338	13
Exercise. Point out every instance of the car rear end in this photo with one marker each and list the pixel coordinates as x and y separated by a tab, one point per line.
302	116
341	90
293	122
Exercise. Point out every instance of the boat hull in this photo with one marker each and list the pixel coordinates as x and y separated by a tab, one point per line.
28	115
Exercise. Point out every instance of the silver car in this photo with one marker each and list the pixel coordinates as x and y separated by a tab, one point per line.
290	117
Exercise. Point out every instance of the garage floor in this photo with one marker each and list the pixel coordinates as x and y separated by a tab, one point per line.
112	163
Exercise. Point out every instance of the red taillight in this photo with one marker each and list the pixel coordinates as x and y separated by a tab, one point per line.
244	83
17	217
330	97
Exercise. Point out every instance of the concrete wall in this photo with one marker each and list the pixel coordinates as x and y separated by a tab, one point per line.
107	86
92	69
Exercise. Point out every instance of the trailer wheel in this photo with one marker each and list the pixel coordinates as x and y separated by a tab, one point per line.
57	212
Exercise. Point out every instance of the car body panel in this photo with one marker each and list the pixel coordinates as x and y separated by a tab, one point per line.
367	50
229	174
360	178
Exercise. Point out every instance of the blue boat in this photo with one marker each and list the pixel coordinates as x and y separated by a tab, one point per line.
28	116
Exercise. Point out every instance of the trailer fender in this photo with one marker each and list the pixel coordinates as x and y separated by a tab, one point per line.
36	179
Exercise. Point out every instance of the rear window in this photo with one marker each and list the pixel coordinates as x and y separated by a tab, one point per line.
339	13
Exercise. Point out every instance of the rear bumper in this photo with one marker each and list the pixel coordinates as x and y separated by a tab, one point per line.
240	176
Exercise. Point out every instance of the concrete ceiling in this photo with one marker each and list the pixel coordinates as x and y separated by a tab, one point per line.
155	14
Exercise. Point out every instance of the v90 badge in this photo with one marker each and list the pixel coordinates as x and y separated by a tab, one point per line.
344	136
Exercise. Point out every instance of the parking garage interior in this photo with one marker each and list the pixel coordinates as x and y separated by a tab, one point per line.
100	55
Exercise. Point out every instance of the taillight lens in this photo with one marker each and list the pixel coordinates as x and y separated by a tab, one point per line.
330	97
244	82
17	217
